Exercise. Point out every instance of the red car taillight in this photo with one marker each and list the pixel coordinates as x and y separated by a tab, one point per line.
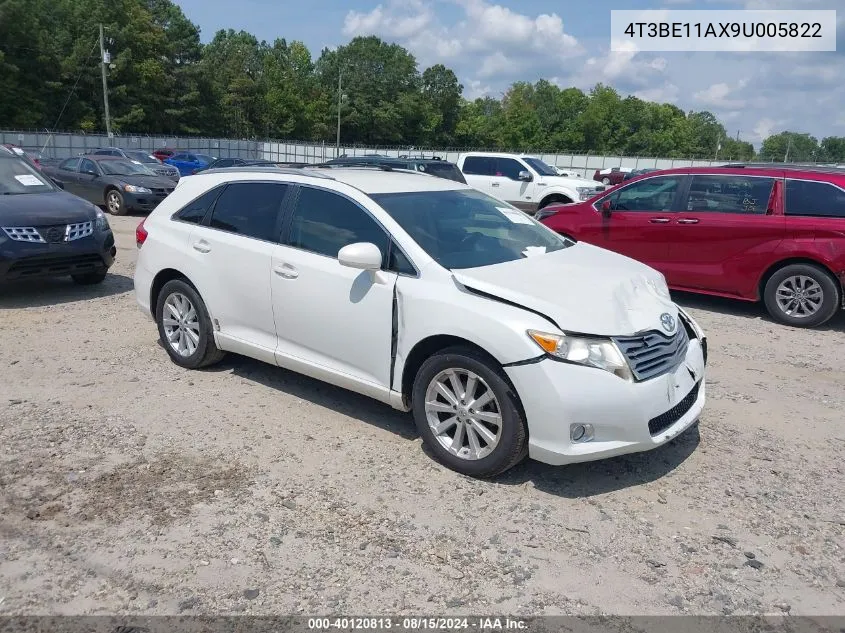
141	234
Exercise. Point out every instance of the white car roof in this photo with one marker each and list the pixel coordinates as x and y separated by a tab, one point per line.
369	180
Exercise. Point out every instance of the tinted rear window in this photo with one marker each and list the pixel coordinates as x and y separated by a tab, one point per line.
250	209
443	170
814	199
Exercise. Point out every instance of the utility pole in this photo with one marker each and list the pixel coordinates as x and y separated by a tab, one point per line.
788	146
339	100
105	83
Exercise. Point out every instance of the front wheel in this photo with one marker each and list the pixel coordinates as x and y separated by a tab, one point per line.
468	414
184	326
115	203
802	295
605	181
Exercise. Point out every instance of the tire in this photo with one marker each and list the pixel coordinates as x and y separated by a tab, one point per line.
511	442
605	181
115	203
90	279
200	349
815	282
553	200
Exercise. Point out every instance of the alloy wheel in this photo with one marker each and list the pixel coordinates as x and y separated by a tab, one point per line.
799	296
181	324
463	413
113	202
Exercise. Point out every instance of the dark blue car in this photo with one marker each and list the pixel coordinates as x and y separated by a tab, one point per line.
47	232
189	162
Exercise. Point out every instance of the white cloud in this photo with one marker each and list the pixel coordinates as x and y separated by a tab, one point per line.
717	95
667	93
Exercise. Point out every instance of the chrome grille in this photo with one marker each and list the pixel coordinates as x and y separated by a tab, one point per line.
78	231
23	233
654	353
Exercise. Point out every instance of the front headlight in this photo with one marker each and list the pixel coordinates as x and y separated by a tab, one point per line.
136	189
101	222
585	192
600	353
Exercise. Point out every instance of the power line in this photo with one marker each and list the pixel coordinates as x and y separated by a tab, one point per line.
75	84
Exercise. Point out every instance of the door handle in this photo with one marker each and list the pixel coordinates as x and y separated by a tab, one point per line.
287	271
659	220
202	246
688	221
495	184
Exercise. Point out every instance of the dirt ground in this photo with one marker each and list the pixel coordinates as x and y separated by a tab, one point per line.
128	485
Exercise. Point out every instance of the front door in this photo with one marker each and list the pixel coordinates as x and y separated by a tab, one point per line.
90	184
640	217
519	193
334	322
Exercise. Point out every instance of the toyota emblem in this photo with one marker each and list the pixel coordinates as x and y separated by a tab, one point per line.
668	322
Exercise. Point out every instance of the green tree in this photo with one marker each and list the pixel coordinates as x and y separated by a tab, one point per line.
441	93
790	146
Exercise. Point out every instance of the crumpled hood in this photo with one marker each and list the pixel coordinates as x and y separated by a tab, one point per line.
44	209
583	288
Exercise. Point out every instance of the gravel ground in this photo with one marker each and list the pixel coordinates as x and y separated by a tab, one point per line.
128	485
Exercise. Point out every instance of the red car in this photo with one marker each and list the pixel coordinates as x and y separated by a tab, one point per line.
774	233
163	153
611	175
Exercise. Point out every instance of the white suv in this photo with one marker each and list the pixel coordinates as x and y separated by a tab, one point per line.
524	181
504	338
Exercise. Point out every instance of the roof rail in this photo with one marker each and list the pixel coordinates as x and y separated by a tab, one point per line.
788	166
263	169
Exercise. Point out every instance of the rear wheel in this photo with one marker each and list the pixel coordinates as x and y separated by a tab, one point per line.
802	295
114	202
605	181
468	414
184	326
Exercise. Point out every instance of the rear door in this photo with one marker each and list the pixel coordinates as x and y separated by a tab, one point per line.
726	233
68	173
640	219
815	213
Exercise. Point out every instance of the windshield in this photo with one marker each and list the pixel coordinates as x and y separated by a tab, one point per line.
124	168
466	228
141	157
540	167
205	158
17	177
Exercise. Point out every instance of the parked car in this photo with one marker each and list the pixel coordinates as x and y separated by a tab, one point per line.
163	153
611	175
46	232
188	162
639	172
119	184
432	297
759	233
433	166
222	163
525	182
138	156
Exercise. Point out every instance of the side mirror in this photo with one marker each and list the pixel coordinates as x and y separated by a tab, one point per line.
606	208
58	183
525	176
362	255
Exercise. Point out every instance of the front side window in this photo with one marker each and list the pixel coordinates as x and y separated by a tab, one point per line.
814	199
653	194
88	167
323	222
178	157
465	228
250	209
479	166
509	168
729	194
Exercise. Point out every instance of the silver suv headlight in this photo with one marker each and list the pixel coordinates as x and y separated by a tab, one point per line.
601	353
585	193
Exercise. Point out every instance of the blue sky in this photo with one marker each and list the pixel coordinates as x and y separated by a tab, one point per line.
492	43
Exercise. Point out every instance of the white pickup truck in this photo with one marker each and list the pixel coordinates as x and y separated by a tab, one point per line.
523	181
